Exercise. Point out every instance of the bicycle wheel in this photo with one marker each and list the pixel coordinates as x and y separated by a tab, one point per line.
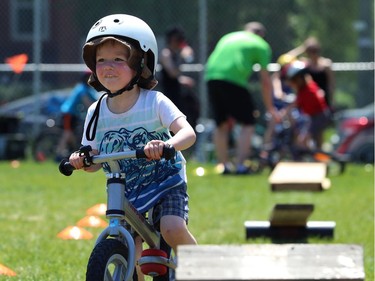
336	167
45	145
108	261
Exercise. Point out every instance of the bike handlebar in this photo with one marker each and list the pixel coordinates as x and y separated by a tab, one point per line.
67	169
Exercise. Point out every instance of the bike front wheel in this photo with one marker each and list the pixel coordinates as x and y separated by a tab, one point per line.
108	261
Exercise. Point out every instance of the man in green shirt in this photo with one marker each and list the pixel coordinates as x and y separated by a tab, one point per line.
227	73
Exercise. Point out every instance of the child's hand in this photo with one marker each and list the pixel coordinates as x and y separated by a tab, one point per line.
154	149
76	160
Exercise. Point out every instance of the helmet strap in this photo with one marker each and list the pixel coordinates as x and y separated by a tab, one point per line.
93	123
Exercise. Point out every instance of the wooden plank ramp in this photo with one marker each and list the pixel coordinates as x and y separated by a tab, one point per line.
270	262
299	176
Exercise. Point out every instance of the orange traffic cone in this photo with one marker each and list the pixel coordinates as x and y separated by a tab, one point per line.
97	210
6	271
92	221
75	233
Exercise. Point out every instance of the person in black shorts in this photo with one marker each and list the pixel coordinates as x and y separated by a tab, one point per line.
227	73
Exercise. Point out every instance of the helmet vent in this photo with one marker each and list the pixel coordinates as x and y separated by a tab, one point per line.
118	21
97	23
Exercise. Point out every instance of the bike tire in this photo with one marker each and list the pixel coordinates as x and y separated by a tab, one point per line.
336	167
108	260
45	145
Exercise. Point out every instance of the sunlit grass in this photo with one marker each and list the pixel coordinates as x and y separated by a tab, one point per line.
37	203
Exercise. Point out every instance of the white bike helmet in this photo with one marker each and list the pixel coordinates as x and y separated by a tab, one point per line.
135	34
296	68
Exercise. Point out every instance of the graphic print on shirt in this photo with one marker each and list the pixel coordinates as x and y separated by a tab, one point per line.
146	181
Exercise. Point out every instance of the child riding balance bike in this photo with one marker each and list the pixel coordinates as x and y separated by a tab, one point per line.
121	51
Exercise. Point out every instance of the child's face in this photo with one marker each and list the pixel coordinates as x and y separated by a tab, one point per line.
112	66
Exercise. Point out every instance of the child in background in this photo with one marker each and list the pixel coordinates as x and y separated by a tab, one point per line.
311	102
121	51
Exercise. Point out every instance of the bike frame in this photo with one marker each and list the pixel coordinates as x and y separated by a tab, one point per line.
119	209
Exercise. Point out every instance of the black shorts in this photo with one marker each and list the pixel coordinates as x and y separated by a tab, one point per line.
230	101
319	123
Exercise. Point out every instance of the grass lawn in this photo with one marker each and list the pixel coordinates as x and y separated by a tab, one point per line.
37	203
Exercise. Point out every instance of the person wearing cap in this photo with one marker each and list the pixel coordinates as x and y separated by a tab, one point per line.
121	51
73	110
227	73
311	102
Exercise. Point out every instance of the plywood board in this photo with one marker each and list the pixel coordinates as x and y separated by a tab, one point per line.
270	262
299	176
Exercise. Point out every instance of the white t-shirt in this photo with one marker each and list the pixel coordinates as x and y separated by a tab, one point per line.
148	119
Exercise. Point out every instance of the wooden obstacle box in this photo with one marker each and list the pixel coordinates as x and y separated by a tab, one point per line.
299	176
270	262
290	222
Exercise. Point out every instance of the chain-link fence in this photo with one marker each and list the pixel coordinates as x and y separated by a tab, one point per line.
52	32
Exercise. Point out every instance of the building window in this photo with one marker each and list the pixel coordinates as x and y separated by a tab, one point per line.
22	17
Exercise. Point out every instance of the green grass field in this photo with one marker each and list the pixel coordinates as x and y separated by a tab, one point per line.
37	203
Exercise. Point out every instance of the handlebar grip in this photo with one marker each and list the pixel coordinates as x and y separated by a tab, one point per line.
66	168
169	152
140	153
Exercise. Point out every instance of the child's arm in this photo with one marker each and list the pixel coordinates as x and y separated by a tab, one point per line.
286	111
184	137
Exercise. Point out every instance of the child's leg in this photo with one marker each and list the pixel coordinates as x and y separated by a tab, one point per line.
175	232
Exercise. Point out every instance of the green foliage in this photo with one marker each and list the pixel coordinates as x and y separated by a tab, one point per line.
332	23
344	100
37	203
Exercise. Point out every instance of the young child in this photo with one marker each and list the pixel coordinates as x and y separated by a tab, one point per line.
121	51
310	101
